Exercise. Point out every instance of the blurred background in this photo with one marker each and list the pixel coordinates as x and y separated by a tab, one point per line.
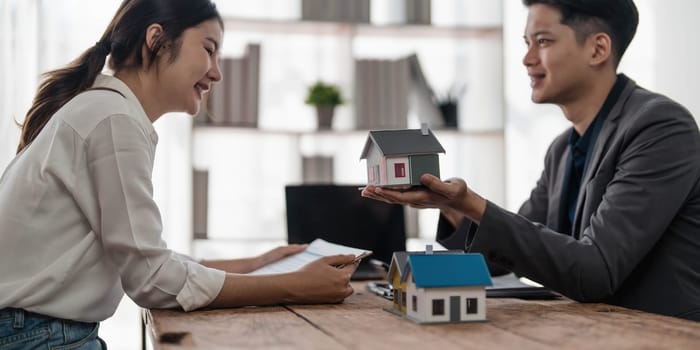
453	64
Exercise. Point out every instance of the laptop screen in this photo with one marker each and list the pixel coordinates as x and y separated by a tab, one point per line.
339	214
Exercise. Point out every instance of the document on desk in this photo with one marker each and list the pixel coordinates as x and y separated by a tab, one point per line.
510	286
316	250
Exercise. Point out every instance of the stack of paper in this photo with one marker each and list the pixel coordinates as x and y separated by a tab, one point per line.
316	250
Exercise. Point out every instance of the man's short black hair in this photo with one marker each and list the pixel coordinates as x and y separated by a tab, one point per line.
617	18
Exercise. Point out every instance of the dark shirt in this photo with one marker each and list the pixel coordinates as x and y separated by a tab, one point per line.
580	150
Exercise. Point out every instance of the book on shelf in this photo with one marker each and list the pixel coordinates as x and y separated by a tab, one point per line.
252	86
200	198
202	115
397	12
351	11
386	91
418	12
381	93
234	87
234	101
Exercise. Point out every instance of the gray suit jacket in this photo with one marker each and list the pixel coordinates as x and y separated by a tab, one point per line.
636	233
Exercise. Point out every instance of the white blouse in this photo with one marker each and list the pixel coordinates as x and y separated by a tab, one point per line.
78	224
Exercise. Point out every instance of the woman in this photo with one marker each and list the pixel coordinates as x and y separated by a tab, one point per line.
78	223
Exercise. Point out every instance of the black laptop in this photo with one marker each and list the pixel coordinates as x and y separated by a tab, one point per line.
339	214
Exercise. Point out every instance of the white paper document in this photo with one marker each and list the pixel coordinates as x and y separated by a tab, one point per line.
316	250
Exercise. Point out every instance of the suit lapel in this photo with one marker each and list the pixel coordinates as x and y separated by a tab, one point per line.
601	144
554	219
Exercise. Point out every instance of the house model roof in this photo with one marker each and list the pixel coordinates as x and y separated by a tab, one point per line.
448	270
403	142
398	264
399	261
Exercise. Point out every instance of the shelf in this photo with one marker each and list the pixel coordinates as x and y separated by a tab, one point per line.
203	129
359	29
248	167
248	170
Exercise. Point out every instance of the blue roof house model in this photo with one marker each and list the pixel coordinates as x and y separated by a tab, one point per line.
446	287
397	269
400	157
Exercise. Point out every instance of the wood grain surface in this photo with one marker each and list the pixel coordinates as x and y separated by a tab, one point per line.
361	323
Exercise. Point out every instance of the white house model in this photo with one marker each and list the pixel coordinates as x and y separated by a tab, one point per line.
400	157
446	287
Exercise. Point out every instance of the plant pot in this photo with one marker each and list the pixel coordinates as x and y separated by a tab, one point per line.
324	115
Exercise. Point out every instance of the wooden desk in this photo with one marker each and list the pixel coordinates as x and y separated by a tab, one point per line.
360	323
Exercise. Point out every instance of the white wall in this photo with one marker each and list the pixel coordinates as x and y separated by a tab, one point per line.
18	69
677	50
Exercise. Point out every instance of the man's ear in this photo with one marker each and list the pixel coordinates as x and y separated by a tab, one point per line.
153	33
601	48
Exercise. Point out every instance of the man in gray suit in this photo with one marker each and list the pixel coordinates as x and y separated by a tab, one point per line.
615	216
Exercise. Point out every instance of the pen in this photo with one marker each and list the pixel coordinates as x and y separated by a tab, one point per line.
357	259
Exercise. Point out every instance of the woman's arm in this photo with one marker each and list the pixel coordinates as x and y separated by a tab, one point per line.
247	265
318	282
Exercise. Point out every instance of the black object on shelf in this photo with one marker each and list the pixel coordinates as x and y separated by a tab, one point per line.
448	110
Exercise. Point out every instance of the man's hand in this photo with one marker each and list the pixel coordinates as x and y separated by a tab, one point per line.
452	196
454	217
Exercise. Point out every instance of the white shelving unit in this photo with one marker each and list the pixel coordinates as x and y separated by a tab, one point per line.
248	168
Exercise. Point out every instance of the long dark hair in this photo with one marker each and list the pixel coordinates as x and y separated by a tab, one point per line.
122	40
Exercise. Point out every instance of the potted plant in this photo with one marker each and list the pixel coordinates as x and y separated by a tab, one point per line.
325	97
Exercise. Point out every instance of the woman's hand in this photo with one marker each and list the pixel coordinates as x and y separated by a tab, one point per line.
321	281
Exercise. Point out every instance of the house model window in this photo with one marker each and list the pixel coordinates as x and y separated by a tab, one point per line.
472	307
438	307
400	170
400	157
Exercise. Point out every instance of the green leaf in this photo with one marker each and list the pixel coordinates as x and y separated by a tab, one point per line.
322	94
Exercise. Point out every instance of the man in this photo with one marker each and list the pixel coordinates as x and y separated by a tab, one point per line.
615	216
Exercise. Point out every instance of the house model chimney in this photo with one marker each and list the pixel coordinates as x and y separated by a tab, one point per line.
424	129
428	249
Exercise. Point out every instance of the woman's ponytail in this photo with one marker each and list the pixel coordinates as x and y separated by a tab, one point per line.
59	87
122	41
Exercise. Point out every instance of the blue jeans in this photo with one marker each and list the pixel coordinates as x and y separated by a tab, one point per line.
20	330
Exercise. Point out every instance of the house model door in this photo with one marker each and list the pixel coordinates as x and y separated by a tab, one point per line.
455	309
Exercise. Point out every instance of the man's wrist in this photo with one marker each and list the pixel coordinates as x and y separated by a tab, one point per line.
454	217
475	206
